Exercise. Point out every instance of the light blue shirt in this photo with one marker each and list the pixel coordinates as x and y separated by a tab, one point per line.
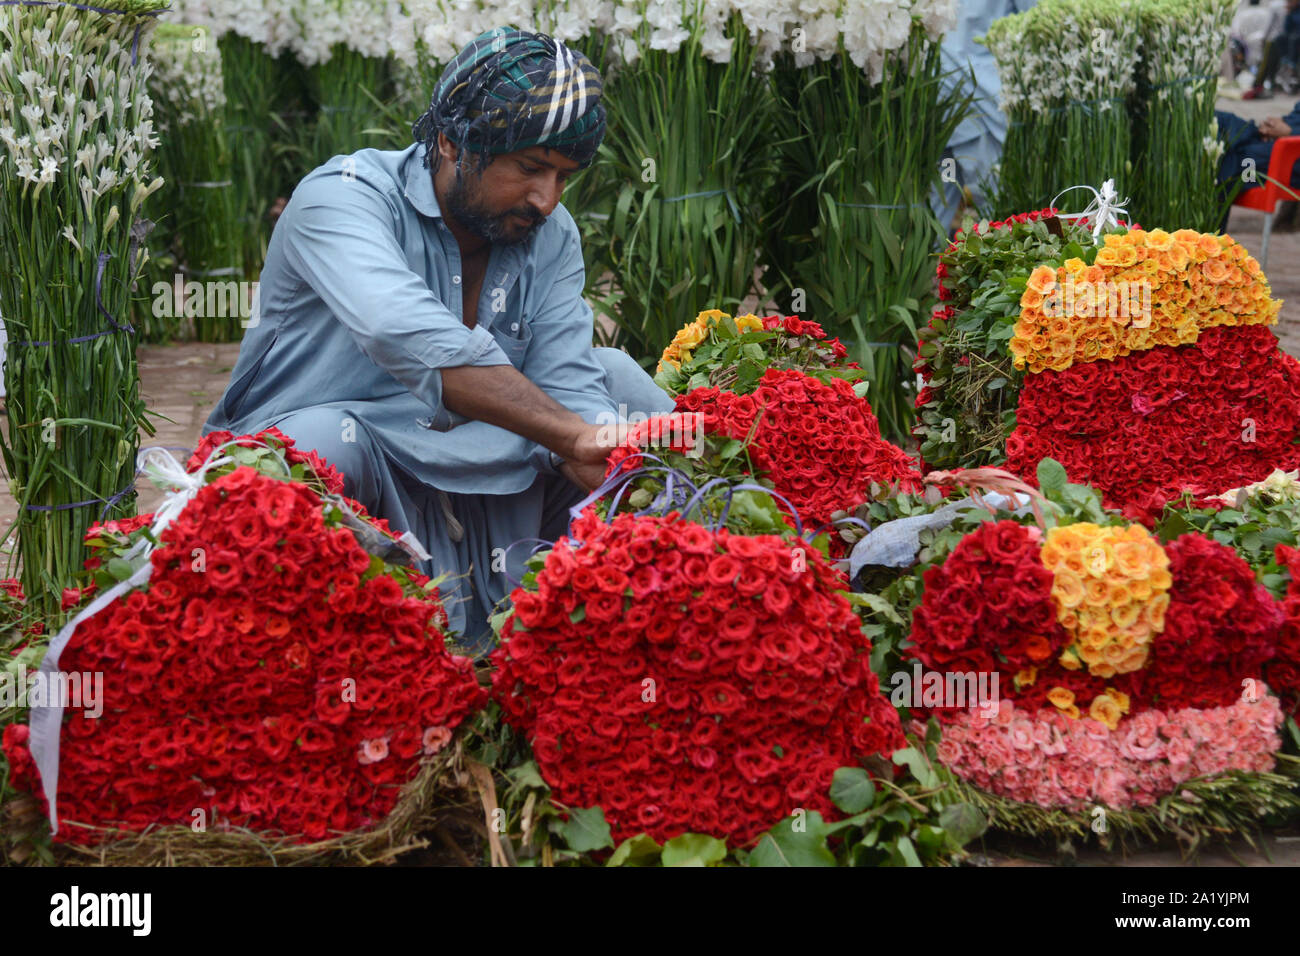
360	309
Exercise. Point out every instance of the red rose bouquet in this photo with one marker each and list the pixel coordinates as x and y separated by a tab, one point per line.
1120	668
685	679
269	673
817	443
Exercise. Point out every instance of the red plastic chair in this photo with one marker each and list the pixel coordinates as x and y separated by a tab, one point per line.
1266	196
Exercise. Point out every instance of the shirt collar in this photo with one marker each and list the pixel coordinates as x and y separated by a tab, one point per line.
419	183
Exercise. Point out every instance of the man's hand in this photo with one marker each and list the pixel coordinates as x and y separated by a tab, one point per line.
585	465
500	395
1274	128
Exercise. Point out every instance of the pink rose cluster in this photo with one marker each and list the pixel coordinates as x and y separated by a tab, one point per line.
1049	759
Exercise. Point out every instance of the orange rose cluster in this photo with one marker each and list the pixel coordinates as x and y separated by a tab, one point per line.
1145	289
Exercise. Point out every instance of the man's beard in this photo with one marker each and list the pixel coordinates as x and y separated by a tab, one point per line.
472	214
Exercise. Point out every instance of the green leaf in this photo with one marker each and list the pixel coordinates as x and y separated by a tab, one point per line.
907	852
783	845
527	775
1052	478
877	604
963	822
920	767
586	830
119	569
852	790
694	849
578	614
640	850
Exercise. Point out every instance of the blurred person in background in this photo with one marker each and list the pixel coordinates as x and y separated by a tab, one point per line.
1280	55
977	141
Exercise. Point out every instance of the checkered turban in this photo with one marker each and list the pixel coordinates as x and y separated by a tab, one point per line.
508	90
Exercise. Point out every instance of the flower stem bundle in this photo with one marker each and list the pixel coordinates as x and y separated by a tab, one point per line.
75	170
1067	71
859	243
1175	129
688	155
197	164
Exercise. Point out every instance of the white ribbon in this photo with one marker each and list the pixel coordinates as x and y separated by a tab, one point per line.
165	471
1104	210
47	722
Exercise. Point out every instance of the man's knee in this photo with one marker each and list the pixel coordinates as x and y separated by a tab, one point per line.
337	437
630	385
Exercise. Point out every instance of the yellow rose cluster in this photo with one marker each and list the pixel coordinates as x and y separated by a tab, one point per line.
1111	588
1107	707
1145	289
689	336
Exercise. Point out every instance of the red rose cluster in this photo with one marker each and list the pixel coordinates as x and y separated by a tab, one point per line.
793	325
1282	673
989	606
328	474
819	444
689	680
1206	417
269	674
1220	629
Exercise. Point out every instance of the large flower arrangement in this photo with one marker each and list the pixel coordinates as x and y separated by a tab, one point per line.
1141	363
273	674
785	392
1126	667
660	674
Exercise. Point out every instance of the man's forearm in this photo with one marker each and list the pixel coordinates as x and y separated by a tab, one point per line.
500	395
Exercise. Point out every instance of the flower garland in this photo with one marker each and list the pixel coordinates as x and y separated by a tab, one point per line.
1142	290
660	672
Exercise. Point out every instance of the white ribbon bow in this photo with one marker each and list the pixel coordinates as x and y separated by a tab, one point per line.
1104	211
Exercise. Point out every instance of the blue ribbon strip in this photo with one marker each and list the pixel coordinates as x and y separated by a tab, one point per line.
735	211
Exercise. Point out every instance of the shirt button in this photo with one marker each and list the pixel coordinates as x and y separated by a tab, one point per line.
514	327
456	279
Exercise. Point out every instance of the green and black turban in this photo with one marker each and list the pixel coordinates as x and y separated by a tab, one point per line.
509	90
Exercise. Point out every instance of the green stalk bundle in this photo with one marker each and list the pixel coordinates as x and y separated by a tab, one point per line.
342	91
1067	73
1176	142
858	236
253	81
75	171
197	164
689	155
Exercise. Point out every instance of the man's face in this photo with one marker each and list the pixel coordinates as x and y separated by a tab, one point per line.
507	202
